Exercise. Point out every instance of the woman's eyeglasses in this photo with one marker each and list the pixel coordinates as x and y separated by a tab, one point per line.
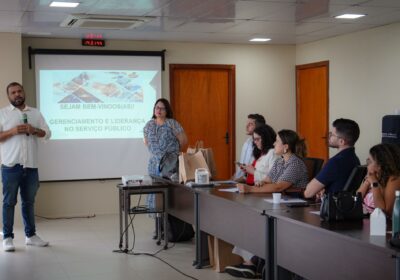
160	108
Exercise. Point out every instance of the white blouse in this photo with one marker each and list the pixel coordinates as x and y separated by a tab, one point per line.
263	165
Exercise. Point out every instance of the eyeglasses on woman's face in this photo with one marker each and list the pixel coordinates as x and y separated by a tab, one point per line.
159	108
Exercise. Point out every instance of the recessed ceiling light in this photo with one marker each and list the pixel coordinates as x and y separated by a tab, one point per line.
260	40
64	4
350	16
38	33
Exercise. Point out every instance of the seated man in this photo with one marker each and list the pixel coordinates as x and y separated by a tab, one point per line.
334	174
246	156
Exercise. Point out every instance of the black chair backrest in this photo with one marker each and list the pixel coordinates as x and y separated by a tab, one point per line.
314	165
355	179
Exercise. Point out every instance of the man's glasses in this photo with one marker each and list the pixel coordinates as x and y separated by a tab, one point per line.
330	134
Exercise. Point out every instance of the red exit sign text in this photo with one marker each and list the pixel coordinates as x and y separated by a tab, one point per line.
93	42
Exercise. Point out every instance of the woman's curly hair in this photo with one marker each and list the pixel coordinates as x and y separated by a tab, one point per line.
387	156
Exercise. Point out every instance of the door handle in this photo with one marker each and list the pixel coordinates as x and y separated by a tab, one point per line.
226	137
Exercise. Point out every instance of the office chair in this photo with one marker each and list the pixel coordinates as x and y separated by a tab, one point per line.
355	179
313	165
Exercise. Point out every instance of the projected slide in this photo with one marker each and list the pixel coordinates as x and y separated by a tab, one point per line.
96	107
97	104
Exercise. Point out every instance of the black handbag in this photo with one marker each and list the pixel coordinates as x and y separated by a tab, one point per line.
341	206
169	165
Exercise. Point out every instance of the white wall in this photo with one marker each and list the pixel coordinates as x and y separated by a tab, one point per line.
11	63
10	71
265	84
364	78
364	81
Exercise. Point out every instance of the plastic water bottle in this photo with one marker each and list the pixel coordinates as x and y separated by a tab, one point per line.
396	217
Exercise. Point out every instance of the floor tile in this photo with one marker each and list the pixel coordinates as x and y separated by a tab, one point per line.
82	249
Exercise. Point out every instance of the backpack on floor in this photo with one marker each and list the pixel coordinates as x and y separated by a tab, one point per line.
179	230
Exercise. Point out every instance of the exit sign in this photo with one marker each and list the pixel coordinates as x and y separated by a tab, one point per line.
94	42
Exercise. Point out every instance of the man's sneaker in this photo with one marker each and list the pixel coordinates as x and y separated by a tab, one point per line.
35	240
8	245
241	270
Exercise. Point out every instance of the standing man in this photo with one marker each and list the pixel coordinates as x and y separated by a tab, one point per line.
20	127
333	176
246	156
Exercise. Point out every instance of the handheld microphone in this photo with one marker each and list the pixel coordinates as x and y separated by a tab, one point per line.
25	120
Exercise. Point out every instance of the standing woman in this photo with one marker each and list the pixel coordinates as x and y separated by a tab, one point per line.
383	178
162	135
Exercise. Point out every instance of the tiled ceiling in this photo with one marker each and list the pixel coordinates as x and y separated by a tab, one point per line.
219	21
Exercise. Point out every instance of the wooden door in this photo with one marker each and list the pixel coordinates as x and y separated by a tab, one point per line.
202	98
312	94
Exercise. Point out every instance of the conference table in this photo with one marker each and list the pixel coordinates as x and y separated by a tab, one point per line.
292	238
315	249
236	219
216	212
182	204
295	238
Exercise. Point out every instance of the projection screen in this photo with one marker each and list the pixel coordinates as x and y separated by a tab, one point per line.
96	107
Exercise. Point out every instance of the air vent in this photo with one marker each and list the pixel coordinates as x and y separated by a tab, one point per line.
103	21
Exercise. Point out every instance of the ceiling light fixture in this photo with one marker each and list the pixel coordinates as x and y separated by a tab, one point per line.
260	40
33	33
64	4
350	16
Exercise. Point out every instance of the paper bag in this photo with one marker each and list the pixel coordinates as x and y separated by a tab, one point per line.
192	150
208	156
188	163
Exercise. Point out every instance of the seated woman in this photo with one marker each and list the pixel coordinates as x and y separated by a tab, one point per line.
383	178
263	152
288	171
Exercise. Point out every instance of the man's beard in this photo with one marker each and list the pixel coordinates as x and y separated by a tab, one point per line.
330	145
18	102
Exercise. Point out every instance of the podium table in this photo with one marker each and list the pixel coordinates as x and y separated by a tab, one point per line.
125	209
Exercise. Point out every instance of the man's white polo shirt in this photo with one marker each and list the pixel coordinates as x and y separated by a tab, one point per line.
21	149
